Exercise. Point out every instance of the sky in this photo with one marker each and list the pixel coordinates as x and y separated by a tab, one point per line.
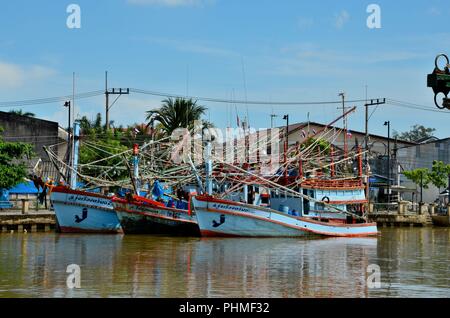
230	49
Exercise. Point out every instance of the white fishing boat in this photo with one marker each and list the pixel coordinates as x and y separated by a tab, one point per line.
218	217
80	211
316	207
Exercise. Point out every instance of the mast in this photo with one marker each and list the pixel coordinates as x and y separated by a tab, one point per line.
208	168
136	166
76	145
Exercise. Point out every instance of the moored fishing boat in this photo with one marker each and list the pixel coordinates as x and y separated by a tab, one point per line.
139	215
84	212
79	211
228	218
313	207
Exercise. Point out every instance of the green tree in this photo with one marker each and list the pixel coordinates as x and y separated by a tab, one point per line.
439	174
91	127
176	113
420	176
417	132
21	113
13	156
101	144
321	145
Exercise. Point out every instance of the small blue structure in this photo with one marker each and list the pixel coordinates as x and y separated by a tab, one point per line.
4	199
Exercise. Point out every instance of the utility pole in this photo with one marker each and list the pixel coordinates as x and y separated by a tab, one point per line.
272	116
373	102
113	91
388	124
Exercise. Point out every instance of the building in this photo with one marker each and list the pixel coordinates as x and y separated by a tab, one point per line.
422	156
39	133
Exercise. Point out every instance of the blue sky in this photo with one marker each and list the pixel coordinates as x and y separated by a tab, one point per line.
289	50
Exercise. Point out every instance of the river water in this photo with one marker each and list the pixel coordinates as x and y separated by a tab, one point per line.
413	262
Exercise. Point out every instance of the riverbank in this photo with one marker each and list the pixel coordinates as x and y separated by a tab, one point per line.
32	221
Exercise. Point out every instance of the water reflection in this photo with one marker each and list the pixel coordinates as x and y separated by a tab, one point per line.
414	262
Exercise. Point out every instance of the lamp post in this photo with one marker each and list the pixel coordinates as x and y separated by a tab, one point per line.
286	117
388	124
69	152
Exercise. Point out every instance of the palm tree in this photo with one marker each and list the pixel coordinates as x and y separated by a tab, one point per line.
21	113
178	113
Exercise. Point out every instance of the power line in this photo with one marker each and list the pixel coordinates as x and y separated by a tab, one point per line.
249	102
90	94
49	100
404	104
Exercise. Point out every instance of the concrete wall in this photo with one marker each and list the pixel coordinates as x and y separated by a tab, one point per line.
37	132
422	156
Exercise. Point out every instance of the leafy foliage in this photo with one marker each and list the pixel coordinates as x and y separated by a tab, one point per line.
21	113
321	145
12	162
102	144
417	132
438	176
176	113
419	176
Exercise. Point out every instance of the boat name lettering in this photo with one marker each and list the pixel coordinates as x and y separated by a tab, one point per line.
231	207
87	199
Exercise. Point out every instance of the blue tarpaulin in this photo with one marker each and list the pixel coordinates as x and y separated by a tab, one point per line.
158	190
24	188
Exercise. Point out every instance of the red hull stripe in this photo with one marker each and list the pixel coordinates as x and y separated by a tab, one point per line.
348	202
298	227
157	216
207	233
67	190
150	205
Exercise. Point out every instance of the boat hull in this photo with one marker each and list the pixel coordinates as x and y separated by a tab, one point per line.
84	212
137	218
441	220
227	218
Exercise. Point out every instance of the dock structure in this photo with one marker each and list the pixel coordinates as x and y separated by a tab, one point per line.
391	218
36	221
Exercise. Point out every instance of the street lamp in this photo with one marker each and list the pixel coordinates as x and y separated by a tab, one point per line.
69	152
388	124
286	117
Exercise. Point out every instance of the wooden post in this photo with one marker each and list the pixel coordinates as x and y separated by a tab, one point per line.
33	228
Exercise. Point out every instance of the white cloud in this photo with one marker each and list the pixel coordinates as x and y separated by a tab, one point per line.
14	75
172	3
11	75
341	19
